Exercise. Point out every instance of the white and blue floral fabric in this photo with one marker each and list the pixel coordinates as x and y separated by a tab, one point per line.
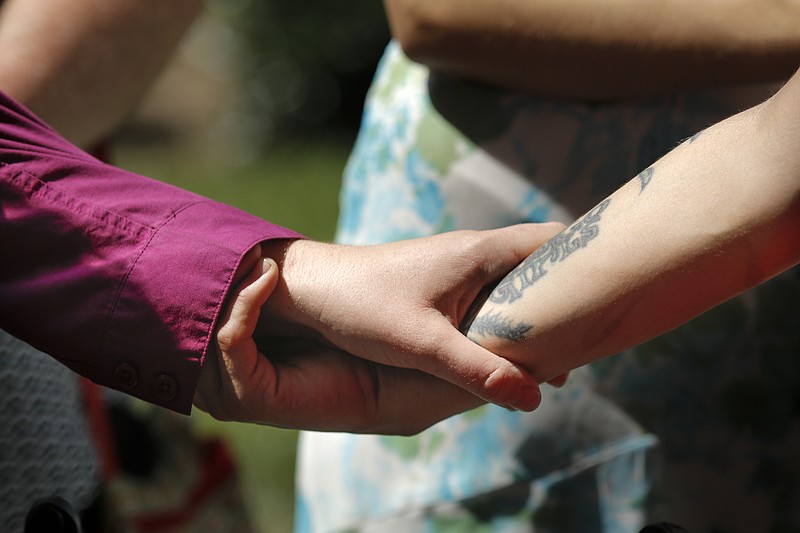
698	427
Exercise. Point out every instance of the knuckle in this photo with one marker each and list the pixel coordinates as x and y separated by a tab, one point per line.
230	335
499	386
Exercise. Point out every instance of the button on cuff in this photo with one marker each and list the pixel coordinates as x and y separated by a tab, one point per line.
126	376
166	388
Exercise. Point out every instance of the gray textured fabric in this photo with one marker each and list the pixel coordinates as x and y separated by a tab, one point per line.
46	447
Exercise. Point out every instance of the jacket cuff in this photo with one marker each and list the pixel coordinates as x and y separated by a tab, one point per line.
163	320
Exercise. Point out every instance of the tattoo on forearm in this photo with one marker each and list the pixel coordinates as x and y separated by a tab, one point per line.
645	176
499	326
557	249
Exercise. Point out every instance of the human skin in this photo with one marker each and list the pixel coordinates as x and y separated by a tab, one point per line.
83	65
364	338
602	50
714	217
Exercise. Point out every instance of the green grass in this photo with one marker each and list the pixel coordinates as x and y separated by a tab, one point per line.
293	185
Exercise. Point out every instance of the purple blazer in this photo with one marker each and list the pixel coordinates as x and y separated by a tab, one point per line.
120	277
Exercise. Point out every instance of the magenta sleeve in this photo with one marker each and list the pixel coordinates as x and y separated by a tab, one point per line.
120	277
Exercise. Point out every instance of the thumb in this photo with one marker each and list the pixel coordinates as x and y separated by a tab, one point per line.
514	243
240	322
509	247
219	387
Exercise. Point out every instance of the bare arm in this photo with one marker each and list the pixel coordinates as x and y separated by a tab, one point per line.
83	64
602	50
714	217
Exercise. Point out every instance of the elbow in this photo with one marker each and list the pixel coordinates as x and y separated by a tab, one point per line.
421	28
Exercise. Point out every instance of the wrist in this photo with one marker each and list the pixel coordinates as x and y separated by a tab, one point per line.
286	309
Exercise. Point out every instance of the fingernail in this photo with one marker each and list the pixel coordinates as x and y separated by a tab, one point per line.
266	265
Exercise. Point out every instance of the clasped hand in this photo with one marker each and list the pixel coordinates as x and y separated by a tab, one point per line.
364	338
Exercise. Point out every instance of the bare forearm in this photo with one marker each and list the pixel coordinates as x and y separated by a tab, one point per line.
602	50
83	64
714	217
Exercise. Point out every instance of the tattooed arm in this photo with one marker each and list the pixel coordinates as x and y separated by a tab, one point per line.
600	50
714	217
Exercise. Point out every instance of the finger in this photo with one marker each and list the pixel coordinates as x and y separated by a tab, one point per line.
222	384
210	380
242	317
411	401
480	372
559	381
245	374
513	244
334	391
240	363
507	248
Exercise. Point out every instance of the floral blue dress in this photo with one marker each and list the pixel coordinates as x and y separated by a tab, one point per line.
698	427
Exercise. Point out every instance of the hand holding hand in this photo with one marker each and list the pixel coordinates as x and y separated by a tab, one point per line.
365	338
400	304
302	383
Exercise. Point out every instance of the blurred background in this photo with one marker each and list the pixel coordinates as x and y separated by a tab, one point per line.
259	109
